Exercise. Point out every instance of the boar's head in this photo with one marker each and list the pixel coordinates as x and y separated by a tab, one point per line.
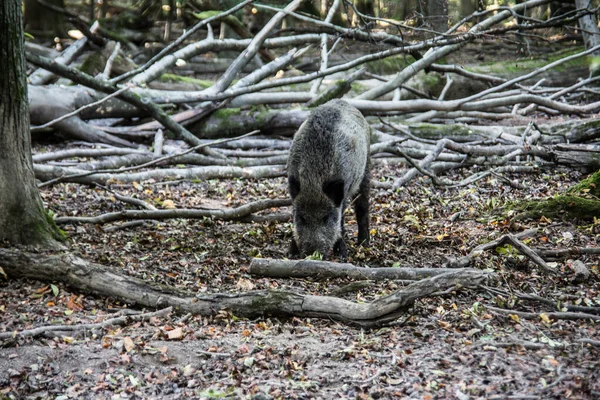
317	216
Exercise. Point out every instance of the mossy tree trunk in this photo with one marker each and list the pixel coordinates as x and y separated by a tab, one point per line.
22	216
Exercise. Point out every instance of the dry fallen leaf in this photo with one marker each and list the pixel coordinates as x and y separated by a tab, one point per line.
128	344
74	303
175	334
169	205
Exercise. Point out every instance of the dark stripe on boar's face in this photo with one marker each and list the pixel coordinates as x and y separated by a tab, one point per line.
294	186
334	189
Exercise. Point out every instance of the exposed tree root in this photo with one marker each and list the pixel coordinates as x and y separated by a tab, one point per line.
100	280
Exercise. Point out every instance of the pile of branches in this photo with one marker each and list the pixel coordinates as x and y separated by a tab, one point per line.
128	153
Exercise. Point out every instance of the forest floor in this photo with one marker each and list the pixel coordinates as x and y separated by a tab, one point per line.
446	347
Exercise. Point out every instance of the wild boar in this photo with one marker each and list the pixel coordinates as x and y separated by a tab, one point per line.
327	168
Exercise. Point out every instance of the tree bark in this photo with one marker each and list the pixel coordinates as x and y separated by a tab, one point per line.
22	216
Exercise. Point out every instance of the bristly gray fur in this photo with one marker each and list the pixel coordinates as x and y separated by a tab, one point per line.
328	163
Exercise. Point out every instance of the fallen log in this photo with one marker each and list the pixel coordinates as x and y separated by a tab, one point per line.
275	268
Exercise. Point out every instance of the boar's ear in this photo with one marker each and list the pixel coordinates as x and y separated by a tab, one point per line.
294	186
334	189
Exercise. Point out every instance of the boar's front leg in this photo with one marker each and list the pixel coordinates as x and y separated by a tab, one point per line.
294	251
361	208
340	249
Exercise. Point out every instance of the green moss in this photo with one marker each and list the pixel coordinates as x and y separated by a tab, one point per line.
590	186
185	79
390	65
56	232
564	206
505	68
358	87
225	113
432	80
271	302
93	64
334	91
594	65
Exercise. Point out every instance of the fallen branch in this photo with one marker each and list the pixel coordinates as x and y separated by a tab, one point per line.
590	341
179	41
555	304
567	253
80	109
129	200
246	56
42	77
144	165
275	268
84	327
466	260
514	343
76	153
571	316
48	172
220	214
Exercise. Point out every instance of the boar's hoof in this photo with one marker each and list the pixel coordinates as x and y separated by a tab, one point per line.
363	242
340	249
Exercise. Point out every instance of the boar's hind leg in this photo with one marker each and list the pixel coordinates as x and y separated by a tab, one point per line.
361	208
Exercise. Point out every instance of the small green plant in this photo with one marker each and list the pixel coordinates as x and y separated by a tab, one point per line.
315	256
508	251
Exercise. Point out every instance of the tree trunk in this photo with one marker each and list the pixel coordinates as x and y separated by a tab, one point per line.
466	7
437	11
365	7
589	26
40	21
22	216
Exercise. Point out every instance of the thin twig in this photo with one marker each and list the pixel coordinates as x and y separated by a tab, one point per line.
70	328
127	199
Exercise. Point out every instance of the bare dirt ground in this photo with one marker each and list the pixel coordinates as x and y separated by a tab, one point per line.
447	347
